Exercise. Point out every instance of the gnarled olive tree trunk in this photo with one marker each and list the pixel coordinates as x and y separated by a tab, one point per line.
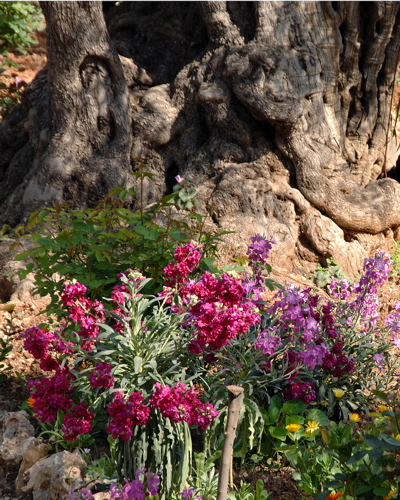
78	125
277	112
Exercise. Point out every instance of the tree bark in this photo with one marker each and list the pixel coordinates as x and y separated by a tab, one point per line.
277	112
80	144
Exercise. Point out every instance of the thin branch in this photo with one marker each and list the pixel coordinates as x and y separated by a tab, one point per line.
236	395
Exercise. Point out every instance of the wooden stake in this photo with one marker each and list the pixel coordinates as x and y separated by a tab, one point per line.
236	395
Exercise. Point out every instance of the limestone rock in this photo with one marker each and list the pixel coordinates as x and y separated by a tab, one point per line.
15	429
33	450
51	478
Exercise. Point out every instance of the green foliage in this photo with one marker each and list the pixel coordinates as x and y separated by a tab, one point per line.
5	349
240	364
6	342
17	21
360	461
395	256
248	492
100	469
6	232
203	479
10	96
94	246
323	275
150	348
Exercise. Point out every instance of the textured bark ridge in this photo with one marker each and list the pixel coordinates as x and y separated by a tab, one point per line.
277	112
77	118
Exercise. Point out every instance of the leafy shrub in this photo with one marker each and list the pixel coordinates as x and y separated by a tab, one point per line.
94	246
5	349
299	359
360	461
10	96
17	21
133	369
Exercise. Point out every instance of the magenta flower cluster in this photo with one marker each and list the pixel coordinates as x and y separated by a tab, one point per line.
145	485
101	376
77	423
51	395
187	258
180	403
84	312
218	309
47	347
303	391
41	344
125	413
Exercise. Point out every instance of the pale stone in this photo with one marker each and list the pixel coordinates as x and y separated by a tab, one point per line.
33	450
15	429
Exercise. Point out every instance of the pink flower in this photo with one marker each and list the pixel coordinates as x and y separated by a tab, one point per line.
51	395
220	312
71	292
187	258
125	414
100	376
303	391
180	403
77	423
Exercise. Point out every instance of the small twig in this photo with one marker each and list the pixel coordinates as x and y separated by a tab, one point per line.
236	395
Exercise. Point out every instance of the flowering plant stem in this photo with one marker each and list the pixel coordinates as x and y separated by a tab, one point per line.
236	395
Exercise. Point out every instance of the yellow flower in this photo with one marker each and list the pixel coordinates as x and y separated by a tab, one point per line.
397	437
354	417
338	393
382	408
311	427
389	495
293	427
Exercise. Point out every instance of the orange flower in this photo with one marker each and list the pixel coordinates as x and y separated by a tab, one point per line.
30	401
334	496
